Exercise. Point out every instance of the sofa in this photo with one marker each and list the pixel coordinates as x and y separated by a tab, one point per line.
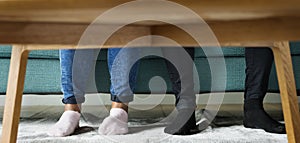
43	71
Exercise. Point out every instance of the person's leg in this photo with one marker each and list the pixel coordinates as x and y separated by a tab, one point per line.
73	81
258	66
123	74
185	122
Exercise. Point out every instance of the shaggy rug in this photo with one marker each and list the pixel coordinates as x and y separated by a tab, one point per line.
145	130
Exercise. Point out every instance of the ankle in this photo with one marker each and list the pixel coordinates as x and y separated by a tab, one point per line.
120	105
73	107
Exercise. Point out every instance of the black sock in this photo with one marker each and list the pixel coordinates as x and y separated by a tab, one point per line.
183	124
256	117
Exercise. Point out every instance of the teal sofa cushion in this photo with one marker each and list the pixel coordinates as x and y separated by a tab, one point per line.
226	52
239	51
5	51
43	71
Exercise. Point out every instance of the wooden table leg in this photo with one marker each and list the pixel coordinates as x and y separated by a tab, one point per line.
287	87
14	94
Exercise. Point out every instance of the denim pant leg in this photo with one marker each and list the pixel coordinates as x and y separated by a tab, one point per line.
74	77
123	67
184	94
258	66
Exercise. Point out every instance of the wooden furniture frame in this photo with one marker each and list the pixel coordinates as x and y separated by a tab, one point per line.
55	24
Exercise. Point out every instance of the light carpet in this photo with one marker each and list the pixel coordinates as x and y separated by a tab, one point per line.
145	130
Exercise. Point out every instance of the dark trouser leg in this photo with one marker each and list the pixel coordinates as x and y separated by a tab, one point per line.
184	94
258	66
185	121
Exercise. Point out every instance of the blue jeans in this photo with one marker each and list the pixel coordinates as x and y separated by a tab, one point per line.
75	70
123	66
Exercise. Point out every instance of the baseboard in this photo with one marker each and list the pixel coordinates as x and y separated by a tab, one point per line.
43	106
140	99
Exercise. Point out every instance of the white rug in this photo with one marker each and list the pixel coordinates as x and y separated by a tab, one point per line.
144	128
33	131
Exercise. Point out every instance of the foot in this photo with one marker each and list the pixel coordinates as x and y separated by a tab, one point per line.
183	124
204	121
66	125
115	123
256	117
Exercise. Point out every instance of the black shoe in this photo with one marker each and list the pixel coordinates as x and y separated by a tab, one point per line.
183	124
257	118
